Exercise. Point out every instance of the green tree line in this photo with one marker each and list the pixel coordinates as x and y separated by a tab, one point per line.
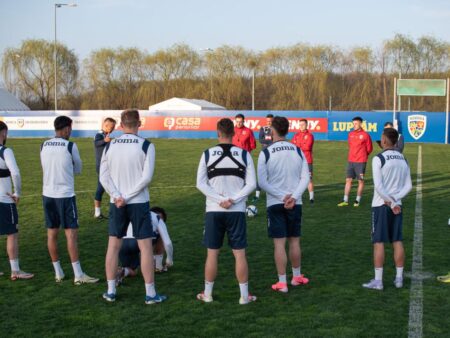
298	77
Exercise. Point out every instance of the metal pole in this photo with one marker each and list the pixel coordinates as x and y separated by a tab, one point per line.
395	100
446	111
400	97
211	85
54	61
329	103
253	89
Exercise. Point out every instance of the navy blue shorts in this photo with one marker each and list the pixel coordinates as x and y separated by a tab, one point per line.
129	254
386	227
8	218
356	170
99	192
218	223
137	214
60	212
282	222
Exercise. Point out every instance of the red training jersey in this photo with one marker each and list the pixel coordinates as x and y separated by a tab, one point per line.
305	141
359	146
244	138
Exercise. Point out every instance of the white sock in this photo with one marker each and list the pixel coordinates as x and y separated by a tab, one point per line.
244	290
296	272
208	288
311	195
126	272
150	289
257	193
159	261
98	211
282	278
379	274
58	270
14	265
77	269
346	198
358	199
399	272
112	286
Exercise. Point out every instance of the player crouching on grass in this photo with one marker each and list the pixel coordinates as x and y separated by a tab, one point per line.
284	174
129	255
9	171
226	176
392	182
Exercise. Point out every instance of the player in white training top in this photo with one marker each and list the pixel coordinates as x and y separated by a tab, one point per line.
226	176
284	174
60	161
392	182
126	170
9	220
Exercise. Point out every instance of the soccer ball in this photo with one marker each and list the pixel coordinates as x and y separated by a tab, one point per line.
251	211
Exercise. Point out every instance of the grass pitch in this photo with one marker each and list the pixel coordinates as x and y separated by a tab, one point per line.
337	257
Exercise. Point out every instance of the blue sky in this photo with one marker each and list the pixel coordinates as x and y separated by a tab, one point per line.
254	24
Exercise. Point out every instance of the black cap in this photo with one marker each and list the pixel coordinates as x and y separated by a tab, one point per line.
357	118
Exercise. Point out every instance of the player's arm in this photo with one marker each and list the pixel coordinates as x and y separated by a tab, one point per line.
147	174
311	142
99	140
401	143
378	181
168	246
203	183
369	145
105	177
11	164
250	181
304	180
262	178
262	136
406	188
77	164
252	141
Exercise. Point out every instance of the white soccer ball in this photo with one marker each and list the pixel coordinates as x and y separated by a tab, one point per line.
251	211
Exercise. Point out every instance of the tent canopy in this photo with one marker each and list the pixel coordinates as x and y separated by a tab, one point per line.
180	104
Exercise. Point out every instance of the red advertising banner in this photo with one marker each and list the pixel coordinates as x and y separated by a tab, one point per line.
174	123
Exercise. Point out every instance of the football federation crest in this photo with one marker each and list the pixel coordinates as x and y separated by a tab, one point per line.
417	124
20	123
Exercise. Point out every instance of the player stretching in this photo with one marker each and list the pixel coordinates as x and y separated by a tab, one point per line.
102	138
9	219
359	149
60	161
305	141
392	181
125	171
226	176
283	173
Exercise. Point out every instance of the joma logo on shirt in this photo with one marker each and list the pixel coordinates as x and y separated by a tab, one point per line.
394	157
275	149
219	153
119	140
60	144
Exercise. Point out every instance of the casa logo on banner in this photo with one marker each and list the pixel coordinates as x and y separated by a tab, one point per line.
178	123
417	124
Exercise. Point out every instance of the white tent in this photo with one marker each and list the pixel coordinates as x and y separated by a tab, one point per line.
179	104
9	102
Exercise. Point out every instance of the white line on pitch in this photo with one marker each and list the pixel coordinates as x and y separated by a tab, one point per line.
415	329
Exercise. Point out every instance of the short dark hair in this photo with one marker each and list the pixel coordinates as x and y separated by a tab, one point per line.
3	126
109	119
357	118
304	120
388	124
130	118
391	134
281	125
240	116
159	210
269	116
62	122
226	127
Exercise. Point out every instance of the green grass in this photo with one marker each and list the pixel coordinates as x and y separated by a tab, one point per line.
337	256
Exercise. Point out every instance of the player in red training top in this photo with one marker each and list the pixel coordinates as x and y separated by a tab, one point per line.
305	141
359	149
243	136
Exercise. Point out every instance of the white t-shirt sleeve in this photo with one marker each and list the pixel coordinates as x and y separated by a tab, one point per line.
407	186
250	181
77	164
203	183
262	178
378	181
304	180
162	230
11	164
147	174
105	177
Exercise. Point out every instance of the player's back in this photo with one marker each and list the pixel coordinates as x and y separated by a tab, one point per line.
5	174
60	161
126	157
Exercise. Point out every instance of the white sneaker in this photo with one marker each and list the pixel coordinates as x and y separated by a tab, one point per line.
374	285
206	299
59	279
398	282
249	299
85	279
